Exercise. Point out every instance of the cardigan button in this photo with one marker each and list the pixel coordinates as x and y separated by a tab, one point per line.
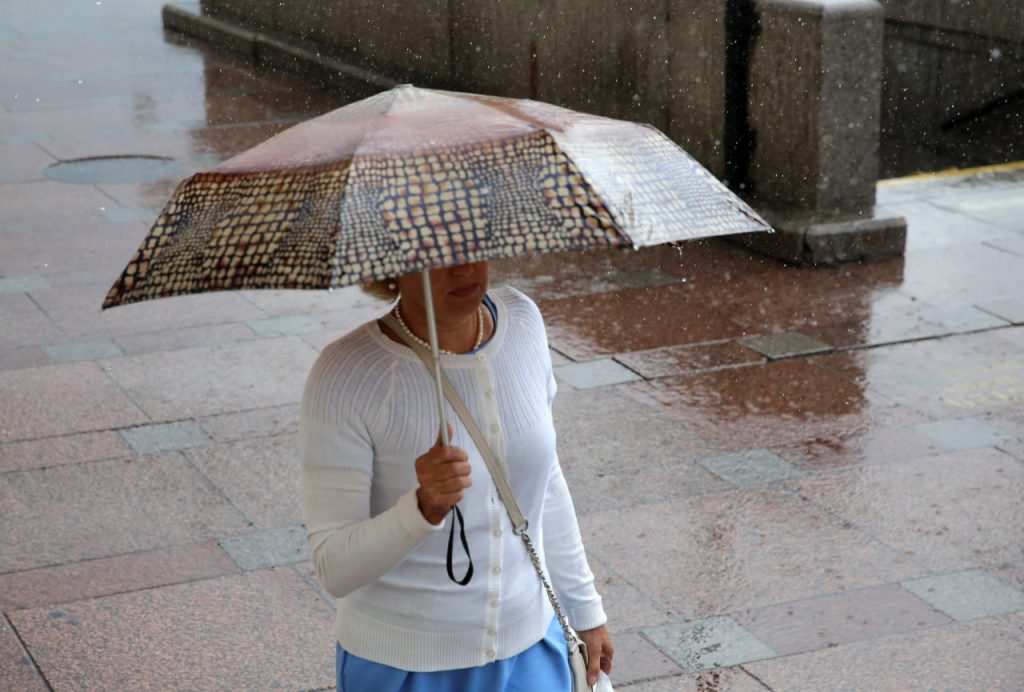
490	653
495	604
497	533
495	427
496	570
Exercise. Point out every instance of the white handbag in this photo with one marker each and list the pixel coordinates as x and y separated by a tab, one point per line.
577	650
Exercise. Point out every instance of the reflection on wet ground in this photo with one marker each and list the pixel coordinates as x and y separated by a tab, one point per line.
779	471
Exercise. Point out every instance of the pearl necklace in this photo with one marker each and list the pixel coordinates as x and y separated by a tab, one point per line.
479	331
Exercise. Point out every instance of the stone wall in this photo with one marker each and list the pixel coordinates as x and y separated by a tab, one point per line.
953	84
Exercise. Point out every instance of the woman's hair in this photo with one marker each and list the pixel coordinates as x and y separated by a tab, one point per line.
384	289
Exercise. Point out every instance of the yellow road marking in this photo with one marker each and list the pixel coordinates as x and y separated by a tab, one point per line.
953	173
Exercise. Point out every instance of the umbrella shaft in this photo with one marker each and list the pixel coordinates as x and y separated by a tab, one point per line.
428	300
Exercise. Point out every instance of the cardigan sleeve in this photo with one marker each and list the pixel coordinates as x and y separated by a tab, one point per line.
349	548
563	549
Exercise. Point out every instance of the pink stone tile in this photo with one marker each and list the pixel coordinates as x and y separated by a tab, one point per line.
947	512
979	655
636	659
826	621
25	324
32	200
55	451
869	446
30	357
106	576
187	337
22	162
74	304
261	630
627	608
199	382
719	680
638	319
781	402
258	476
60	400
618	453
733	550
262	422
963	275
95	243
17	672
678	360
82	511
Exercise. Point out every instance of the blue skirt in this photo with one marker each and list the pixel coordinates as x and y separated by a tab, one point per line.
543	667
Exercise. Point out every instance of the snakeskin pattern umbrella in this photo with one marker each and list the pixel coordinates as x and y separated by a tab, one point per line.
412	179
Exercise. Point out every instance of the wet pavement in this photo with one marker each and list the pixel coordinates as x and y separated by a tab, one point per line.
788	478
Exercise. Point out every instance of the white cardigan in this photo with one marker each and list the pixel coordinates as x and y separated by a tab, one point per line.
368	411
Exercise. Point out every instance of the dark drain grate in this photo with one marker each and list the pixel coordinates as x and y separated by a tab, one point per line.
98	170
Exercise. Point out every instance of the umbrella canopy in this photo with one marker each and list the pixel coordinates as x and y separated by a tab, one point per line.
412	179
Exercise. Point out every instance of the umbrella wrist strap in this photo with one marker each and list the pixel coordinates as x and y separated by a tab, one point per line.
519	522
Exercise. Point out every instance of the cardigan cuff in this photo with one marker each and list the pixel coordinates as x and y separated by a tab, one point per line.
412	519
587	617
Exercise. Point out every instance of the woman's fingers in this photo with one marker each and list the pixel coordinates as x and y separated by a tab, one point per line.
443	474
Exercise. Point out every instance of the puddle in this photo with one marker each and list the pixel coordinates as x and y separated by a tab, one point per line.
112	170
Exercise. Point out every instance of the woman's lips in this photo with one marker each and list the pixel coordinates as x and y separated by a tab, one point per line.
465	291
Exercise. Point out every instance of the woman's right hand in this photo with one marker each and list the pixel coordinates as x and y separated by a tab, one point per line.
443	473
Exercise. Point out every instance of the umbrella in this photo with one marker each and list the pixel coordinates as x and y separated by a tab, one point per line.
413	179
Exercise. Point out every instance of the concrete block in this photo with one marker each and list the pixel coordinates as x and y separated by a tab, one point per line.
595	373
805	239
225	32
165	437
281	546
750	468
814	100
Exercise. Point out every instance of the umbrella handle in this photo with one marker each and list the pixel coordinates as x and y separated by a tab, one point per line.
428	299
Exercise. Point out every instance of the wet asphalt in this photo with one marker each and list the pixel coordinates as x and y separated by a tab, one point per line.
787	478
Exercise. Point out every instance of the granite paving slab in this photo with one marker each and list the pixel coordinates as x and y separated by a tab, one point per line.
871	446
91	242
258	630
834	619
259	476
929	226
76	351
1012	245
739	549
106	576
963	433
24	323
616	452
60	400
105	508
284	545
188	337
627	608
637	659
637	319
197	382
945	512
1009	573
68	449
34	200
594	373
676	360
24	283
713	642
750	468
17	672
888	317
718	680
165	437
979	655
784	345
1010	310
964	275
956	377
74	305
260	422
967	595
23	162
18	358
781	402
293	325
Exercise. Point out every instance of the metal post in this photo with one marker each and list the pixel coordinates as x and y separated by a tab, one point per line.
428	299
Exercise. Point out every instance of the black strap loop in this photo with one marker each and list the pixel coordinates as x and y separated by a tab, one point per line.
457	516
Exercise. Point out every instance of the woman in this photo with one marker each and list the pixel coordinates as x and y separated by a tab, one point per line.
429	598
